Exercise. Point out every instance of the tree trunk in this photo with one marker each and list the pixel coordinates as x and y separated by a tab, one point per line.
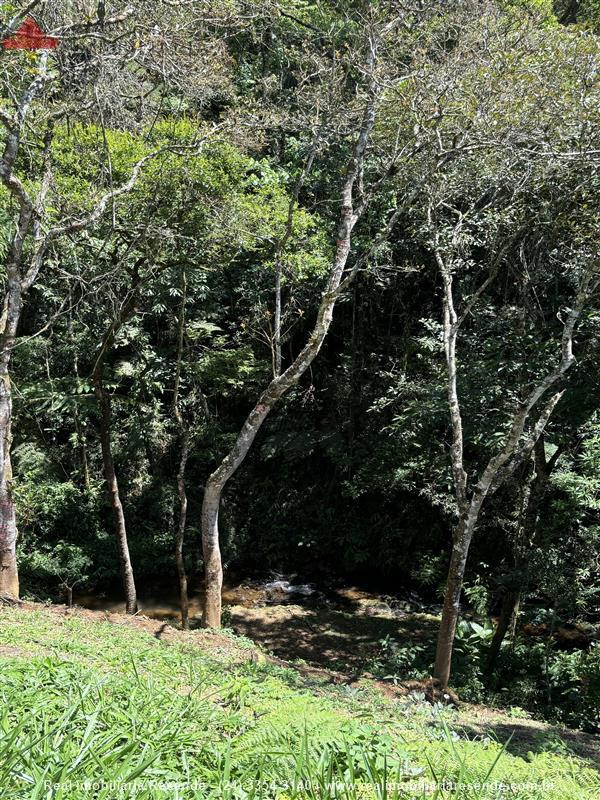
9	575
458	560
112	486
125	313
213	568
505	461
510	605
16	285
526	538
185	449
21	273
79	432
349	215
179	560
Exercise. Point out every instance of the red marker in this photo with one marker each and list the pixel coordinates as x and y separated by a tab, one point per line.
30	37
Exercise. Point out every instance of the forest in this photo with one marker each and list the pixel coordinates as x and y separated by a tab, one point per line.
300	343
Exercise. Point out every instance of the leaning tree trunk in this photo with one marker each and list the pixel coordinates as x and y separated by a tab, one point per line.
282	382
216	482
112	486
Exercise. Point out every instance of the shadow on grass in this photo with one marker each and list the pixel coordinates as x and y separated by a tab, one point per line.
530	736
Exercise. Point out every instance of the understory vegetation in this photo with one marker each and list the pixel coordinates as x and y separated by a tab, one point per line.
87	700
532	674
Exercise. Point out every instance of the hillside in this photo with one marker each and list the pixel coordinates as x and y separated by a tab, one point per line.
138	709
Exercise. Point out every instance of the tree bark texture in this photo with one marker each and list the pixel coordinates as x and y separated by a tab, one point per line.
451	609
9	576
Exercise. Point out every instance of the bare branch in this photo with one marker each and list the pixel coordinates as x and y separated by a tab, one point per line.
511	445
281	245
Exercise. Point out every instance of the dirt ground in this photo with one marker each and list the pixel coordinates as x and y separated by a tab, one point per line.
329	637
340	629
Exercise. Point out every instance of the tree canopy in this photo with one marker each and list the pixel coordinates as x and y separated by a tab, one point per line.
309	287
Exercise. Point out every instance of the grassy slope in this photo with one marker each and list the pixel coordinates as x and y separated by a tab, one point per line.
84	699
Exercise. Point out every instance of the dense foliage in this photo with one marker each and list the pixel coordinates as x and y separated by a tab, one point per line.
351	475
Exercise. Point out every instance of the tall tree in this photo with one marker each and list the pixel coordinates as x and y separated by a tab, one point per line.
516	447
184	433
79	74
353	200
122	315
491	173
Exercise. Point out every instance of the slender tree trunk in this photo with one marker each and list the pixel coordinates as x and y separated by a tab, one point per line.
126	311
9	575
547	649
18	282
464	533
511	595
112	486
213	567
512	598
277	323
281	245
185	448
513	451
467	515
461	542
69	592
11	316
179	560
508	610
21	272
85	469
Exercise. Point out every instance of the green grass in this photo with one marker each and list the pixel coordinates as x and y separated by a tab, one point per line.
140	718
